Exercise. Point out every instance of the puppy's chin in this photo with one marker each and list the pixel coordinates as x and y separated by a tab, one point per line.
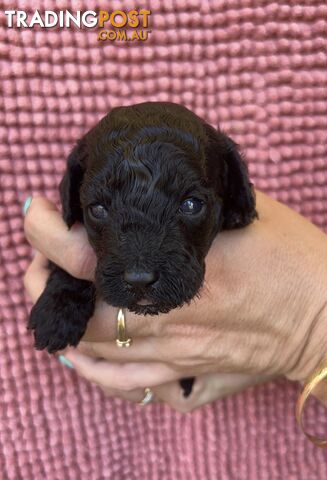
141	308
150	309
153	302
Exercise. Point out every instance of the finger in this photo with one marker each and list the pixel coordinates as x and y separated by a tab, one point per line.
36	276
47	232
103	324
151	338
135	396
148	349
120	376
141	350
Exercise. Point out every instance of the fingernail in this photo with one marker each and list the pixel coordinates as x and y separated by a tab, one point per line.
27	204
187	385
65	361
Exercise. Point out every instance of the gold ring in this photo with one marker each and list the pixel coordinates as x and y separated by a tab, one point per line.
122	341
148	397
318	376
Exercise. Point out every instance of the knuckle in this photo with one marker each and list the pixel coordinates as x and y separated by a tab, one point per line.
162	353
158	328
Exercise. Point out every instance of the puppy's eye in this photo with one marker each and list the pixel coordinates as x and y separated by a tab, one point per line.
98	212
191	206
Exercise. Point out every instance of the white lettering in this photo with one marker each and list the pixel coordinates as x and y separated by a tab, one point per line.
61	19
36	20
70	17
10	14
91	23
47	15
21	17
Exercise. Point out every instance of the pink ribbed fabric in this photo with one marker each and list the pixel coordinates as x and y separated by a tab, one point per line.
256	67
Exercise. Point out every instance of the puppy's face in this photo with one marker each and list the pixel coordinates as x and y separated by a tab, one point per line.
150	217
152	199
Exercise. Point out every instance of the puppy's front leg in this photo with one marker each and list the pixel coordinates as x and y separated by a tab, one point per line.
59	317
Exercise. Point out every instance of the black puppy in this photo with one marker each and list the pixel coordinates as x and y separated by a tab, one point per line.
153	184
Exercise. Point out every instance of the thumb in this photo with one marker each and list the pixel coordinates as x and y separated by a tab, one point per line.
47	232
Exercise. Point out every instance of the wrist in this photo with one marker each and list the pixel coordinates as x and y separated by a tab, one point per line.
312	351
308	340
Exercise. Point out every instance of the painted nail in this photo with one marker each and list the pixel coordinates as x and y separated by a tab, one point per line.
65	361
27	204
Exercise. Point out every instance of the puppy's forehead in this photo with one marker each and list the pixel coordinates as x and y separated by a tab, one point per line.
170	163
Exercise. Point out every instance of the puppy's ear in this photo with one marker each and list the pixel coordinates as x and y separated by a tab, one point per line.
231	180
70	186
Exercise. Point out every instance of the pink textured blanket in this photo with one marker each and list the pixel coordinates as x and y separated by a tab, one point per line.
256	67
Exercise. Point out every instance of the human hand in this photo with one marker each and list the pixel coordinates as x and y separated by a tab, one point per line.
268	319
206	388
106	375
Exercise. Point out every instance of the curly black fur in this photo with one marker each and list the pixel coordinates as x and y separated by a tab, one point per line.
140	162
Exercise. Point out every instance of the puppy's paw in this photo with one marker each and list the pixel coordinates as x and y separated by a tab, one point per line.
59	321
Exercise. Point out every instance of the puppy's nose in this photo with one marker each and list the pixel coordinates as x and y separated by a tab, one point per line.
139	278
